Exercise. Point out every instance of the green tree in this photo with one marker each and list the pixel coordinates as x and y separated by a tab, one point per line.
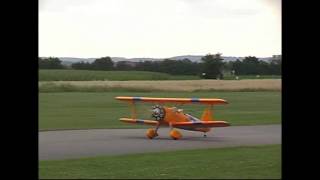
252	65
275	66
175	67
124	66
148	66
212	66
238	67
81	65
168	66
50	63
104	63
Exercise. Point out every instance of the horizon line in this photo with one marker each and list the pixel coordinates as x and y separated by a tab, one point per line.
154	57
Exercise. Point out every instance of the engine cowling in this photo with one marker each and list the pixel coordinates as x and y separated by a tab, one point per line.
158	112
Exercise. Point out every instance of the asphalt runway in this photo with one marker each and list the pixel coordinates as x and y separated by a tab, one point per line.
86	143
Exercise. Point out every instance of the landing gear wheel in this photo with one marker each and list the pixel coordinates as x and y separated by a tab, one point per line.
175	134
151	133
204	135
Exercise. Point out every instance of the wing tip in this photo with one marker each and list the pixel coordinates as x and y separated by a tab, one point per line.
129	98
118	97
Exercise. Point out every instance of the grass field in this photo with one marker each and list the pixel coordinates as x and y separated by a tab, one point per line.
80	110
252	77
86	75
163	85
260	162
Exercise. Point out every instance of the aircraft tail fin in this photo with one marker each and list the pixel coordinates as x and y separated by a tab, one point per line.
207	114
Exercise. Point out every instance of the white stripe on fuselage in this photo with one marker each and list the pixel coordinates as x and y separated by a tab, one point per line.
193	119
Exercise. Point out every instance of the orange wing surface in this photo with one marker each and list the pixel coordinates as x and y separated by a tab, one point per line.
172	100
200	124
139	121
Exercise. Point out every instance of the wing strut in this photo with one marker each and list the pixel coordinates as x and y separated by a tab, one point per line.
133	110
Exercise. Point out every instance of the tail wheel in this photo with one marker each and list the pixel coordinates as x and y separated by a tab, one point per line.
175	134
151	133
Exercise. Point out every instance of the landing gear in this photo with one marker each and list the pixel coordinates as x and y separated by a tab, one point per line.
151	133
175	134
204	135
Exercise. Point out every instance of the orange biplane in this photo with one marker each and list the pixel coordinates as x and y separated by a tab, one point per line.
174	117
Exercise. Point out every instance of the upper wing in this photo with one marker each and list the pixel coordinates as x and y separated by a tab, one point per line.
172	100
200	124
139	121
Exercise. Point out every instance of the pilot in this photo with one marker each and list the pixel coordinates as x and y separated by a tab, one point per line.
175	109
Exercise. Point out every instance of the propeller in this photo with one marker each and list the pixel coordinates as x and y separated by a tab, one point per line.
158	112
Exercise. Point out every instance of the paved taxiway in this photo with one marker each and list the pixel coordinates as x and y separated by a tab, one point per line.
86	143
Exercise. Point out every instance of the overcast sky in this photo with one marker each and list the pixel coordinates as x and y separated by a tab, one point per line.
159	28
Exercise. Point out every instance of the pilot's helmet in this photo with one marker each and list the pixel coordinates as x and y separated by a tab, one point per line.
180	110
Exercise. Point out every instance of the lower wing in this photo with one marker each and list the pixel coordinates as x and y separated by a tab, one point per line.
200	124
139	121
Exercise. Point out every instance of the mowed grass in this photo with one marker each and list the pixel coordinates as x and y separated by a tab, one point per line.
260	162
229	77
80	110
161	85
87	75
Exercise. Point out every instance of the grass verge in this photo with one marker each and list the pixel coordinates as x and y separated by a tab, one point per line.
259	162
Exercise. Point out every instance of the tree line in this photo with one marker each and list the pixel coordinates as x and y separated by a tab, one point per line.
210	67
50	63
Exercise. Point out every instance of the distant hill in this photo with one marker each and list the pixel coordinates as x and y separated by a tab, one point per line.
67	63
198	58
74	59
195	58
